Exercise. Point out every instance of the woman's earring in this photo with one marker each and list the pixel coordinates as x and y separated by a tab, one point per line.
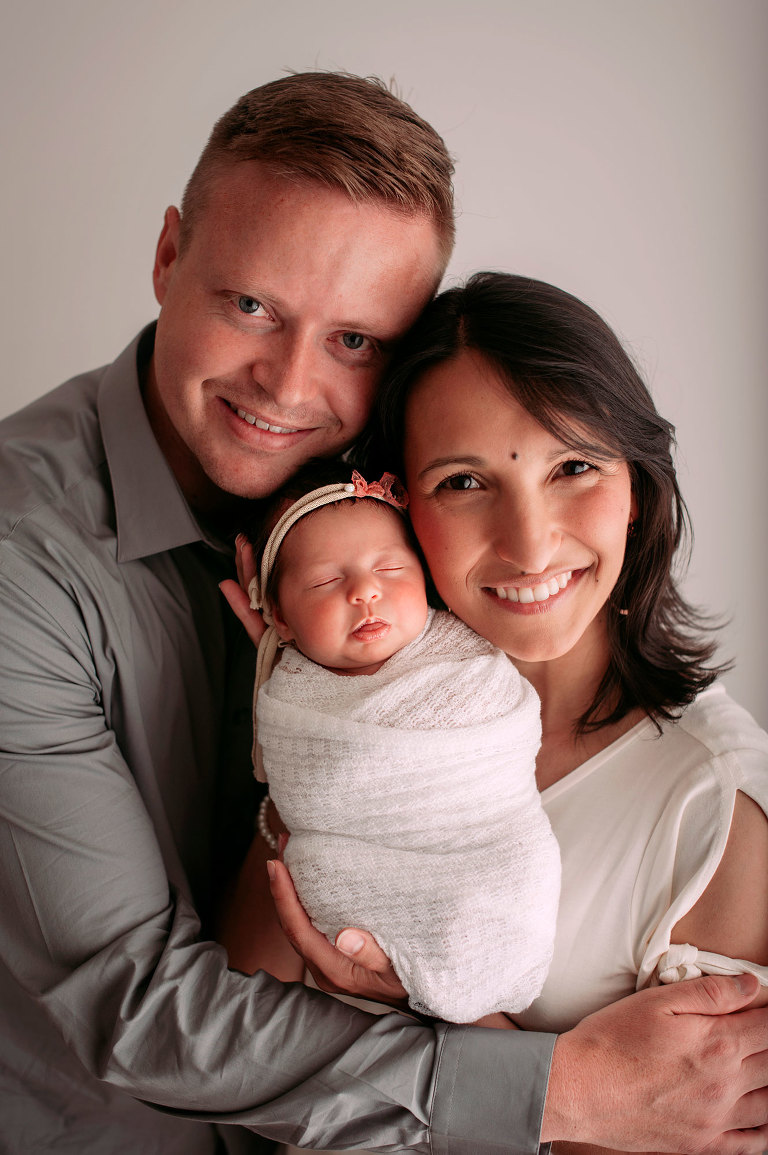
631	527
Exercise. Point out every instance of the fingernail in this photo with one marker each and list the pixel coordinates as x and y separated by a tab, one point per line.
349	942
271	870
240	539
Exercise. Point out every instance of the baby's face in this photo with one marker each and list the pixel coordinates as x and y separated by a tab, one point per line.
351	590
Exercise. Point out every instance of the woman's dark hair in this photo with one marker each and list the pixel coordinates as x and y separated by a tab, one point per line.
568	369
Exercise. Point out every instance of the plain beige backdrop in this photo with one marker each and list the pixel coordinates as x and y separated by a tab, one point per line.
615	147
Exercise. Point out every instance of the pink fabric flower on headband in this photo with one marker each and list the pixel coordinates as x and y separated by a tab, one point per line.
389	489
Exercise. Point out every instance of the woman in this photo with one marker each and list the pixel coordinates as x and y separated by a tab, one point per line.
543	495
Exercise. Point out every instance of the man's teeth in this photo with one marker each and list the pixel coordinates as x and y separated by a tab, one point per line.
257	421
528	594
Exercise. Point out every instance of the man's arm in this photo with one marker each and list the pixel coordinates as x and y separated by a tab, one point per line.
95	934
669	1069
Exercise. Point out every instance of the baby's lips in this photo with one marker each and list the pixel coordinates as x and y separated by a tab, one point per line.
371	627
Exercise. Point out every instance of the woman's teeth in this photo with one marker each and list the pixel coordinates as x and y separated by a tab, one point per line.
540	593
257	421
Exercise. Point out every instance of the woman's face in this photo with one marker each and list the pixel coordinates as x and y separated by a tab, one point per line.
524	538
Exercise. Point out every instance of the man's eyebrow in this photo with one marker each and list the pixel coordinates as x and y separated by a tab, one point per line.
453	459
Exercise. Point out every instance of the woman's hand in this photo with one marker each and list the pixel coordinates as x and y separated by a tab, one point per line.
236	592
355	966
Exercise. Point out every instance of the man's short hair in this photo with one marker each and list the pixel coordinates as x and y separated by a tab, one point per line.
349	133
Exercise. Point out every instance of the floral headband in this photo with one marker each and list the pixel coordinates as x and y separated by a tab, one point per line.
389	489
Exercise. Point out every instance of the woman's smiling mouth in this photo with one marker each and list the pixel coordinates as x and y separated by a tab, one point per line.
528	594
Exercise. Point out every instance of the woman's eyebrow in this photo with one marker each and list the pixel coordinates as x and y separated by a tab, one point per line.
453	459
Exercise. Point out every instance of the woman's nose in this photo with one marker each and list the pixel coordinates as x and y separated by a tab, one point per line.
525	534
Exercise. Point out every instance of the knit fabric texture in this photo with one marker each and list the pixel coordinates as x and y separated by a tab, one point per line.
413	810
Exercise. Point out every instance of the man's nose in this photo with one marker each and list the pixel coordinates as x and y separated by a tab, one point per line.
289	373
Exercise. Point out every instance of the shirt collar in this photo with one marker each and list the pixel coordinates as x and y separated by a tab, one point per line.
152	513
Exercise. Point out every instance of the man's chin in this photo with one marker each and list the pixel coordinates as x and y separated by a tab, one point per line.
259	481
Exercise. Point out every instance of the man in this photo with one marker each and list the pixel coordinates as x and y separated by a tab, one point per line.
315	227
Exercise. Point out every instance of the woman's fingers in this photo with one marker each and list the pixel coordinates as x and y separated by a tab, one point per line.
244	560
362	948
241	606
236	592
333	970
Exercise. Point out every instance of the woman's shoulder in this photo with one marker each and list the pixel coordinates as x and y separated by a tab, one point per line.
730	740
701	759
721	725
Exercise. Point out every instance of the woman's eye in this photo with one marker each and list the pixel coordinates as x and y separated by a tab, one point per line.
574	468
353	341
460	482
249	305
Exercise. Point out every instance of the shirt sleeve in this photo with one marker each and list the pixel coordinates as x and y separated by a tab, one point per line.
683	961
95	933
687	845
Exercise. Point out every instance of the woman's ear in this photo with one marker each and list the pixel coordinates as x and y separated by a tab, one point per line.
634	507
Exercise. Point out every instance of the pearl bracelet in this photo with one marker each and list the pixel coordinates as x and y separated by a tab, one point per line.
263	826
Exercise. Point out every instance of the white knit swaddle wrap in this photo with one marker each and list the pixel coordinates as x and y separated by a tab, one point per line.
414	814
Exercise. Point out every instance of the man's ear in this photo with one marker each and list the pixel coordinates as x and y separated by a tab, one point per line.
283	629
167	253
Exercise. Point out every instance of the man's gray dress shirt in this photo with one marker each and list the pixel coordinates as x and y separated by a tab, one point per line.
125	792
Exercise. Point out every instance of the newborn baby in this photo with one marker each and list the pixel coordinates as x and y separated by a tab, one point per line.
399	748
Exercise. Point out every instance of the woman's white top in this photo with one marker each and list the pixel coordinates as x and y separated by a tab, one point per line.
642	827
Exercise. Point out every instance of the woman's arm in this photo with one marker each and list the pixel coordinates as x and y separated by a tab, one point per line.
248	926
731	917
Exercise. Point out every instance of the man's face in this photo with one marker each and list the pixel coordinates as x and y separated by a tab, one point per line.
275	325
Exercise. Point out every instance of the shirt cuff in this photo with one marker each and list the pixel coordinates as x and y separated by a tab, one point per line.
490	1092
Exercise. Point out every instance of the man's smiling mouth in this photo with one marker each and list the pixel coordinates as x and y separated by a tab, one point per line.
251	419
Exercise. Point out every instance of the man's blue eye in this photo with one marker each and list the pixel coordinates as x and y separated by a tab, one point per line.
248	304
573	468
353	341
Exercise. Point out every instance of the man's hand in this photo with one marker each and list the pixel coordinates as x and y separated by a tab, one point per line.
355	966
668	1069
236	591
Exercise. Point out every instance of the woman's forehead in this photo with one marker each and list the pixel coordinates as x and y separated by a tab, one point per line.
471	395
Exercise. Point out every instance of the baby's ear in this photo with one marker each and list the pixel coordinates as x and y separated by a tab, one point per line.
283	629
